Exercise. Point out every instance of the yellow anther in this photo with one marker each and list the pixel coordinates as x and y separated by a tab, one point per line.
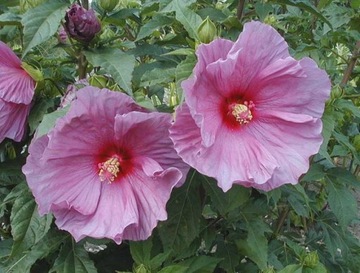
109	169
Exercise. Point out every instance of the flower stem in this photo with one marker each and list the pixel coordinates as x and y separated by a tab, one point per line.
82	66
283	215
351	65
240	9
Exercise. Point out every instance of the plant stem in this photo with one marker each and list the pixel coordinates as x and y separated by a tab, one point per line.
283	215
351	65
240	9
82	66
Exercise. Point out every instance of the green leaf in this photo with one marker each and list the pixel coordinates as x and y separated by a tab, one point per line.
49	120
73	258
200	264
10	19
225	202
157	76
348	105
155	23
140	251
174	269
184	214
115	62
27	227
292	268
342	202
37	113
328	120
188	18
42	22
5	248
10	172
256	245
48	244
305	5
319	268
230	255
343	176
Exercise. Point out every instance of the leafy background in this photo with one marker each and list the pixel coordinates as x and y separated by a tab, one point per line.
145	49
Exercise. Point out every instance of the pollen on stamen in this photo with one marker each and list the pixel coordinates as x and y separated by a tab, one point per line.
242	112
109	169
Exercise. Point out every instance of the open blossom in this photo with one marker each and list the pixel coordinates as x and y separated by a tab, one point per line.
106	169
16	92
252	113
81	24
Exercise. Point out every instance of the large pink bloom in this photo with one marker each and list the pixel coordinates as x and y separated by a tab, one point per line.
16	92
252	112
106	169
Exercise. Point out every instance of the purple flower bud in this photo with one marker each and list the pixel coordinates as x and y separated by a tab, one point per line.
81	24
62	35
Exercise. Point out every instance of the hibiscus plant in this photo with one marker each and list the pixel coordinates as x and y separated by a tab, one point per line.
179	136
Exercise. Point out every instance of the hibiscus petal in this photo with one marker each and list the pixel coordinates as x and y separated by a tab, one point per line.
291	142
15	84
156	144
65	173
260	45
13	120
292	86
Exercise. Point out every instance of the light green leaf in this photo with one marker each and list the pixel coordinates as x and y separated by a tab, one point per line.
10	19
27	227
42	22
305	5
73	258
157	76
49	120
188	18
174	269
292	268
155	23
140	251
115	62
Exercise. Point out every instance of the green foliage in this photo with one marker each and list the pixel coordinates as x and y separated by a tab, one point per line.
146	49
42	22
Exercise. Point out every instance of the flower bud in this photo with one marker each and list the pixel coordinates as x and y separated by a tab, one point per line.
336	93
62	35
81	24
207	31
107	5
311	259
98	81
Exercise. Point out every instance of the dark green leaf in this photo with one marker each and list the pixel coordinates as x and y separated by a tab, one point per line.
200	264
184	214
230	255
174	269
42	22
10	19
73	258
37	113
48	244
342	202
256	245
27	227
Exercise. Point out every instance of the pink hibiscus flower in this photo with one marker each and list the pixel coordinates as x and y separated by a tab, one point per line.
106	169
253	113
16	92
